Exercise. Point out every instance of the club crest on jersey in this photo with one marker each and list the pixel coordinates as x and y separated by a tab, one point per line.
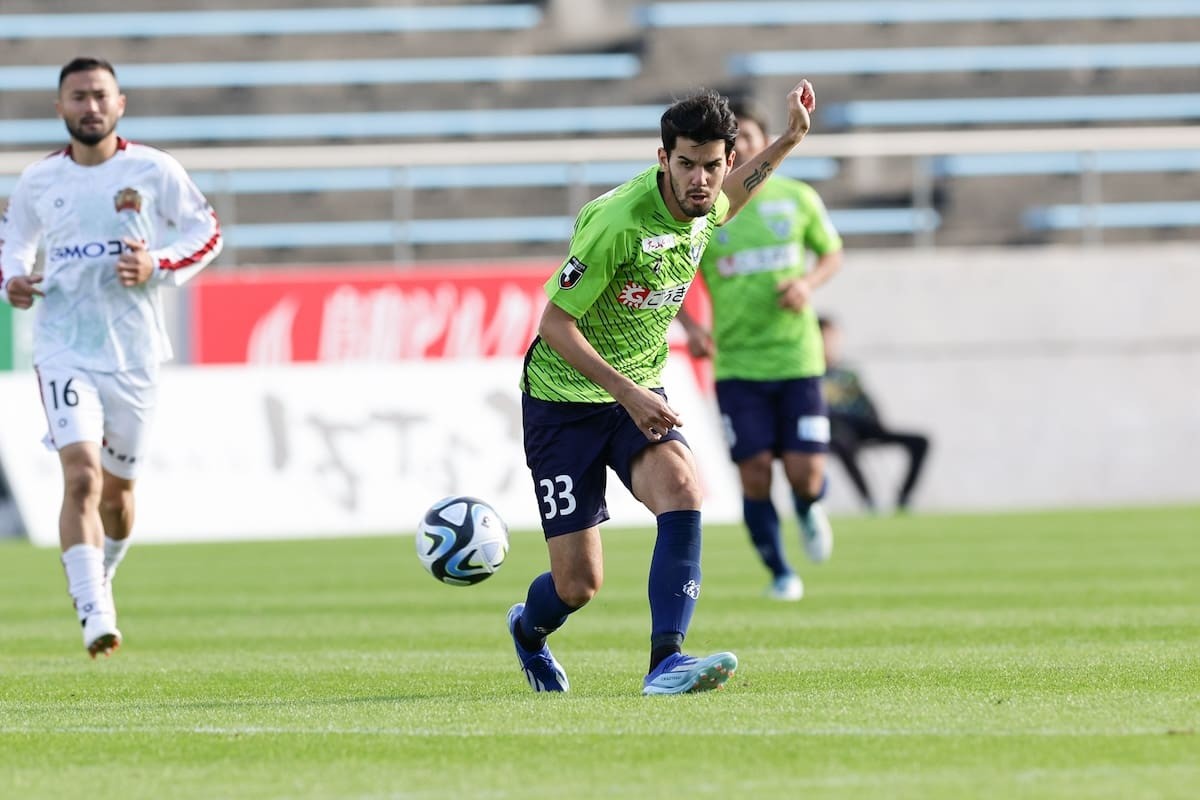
656	244
636	296
572	271
128	199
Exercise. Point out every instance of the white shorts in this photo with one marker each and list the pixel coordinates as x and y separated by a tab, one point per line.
112	409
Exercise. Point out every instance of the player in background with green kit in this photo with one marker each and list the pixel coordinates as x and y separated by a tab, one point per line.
767	353
592	395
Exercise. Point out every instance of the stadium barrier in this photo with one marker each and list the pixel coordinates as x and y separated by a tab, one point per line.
327	450
367	393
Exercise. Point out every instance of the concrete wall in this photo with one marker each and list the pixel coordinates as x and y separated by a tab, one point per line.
1046	377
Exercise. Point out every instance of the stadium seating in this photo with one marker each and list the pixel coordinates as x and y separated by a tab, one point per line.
532	71
1120	161
350	72
273	22
1113	215
1009	58
477	230
880	12
1013	110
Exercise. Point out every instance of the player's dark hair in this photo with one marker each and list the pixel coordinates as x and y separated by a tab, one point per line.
703	117
84	64
746	109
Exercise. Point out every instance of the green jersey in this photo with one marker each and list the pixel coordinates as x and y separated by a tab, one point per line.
767	242
629	267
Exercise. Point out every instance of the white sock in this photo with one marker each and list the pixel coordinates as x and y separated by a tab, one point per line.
114	552
84	566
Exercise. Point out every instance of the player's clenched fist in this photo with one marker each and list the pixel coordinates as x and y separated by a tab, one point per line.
802	101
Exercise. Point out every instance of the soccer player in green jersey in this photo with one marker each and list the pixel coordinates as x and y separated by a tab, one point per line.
768	359
592	389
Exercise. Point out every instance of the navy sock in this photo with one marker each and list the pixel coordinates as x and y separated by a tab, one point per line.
674	581
763	523
803	503
544	613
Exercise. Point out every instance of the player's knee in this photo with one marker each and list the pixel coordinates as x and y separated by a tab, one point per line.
81	484
115	502
578	589
756	474
681	490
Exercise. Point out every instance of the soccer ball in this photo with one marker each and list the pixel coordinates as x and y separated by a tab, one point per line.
462	540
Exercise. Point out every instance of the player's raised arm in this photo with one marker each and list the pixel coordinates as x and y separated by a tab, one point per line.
745	179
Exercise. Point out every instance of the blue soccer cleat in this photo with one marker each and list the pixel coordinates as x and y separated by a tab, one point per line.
678	673
541	670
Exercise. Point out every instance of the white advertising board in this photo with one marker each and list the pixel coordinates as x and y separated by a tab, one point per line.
292	451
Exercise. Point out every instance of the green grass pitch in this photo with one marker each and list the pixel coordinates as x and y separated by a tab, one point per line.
990	656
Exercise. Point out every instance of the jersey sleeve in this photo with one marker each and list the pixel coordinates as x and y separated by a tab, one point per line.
820	236
598	249
20	232
184	208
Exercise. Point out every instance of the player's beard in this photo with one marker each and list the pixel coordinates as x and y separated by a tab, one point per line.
89	137
686	204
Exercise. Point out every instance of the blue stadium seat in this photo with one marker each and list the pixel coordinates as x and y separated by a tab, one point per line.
1113	215
856	12
275	21
514	229
361	179
1066	163
391	124
882	61
1010	110
603	66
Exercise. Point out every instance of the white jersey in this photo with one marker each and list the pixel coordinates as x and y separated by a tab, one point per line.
81	214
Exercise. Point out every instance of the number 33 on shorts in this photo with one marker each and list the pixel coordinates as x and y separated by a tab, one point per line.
557	496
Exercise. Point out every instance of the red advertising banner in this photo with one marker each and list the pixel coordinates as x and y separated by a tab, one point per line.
352	314
347	314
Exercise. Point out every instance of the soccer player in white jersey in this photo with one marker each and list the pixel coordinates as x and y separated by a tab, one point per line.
115	220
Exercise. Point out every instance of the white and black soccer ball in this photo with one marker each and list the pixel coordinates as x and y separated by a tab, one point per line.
462	540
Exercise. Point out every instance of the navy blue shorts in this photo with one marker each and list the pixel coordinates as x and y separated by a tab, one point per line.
568	446
786	416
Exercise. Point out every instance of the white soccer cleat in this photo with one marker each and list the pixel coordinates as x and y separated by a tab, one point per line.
817	534
100	634
786	587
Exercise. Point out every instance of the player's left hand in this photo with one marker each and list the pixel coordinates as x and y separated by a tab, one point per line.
794	293
134	266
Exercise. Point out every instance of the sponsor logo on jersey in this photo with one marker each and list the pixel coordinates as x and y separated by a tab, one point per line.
68	252
128	199
572	271
760	259
637	296
777	208
656	244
